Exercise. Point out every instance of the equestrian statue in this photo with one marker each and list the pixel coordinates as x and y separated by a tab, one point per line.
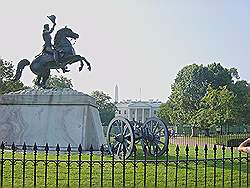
56	56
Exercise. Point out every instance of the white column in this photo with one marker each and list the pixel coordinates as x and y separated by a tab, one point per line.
129	114
136	113
143	115
150	112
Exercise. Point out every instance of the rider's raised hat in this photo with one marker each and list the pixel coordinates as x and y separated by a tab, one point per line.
52	18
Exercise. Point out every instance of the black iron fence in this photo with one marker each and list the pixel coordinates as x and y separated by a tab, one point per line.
218	139
181	166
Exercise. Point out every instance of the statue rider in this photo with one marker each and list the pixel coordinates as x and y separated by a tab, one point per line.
48	47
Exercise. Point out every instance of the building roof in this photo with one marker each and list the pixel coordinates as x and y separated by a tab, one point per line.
130	103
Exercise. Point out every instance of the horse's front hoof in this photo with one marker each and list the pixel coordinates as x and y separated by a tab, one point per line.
89	68
80	69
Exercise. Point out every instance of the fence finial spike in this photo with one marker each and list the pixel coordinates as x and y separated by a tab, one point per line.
24	147
35	147
124	150
91	148
112	149
2	146
205	148
46	147
57	148
223	147
145	149
215	148
13	147
177	148
69	148
196	148
187	148
80	148
102	148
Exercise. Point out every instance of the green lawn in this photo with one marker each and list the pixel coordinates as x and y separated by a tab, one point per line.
239	169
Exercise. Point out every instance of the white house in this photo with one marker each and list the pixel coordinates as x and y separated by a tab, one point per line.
137	110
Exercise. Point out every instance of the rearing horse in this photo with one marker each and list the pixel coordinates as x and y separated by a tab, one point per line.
42	64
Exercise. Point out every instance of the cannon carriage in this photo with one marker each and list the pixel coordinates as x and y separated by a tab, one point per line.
123	135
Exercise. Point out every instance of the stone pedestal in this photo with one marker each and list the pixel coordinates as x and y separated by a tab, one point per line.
53	116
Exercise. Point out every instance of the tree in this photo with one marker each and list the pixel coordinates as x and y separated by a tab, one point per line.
191	86
164	112
58	82
106	108
217	107
6	78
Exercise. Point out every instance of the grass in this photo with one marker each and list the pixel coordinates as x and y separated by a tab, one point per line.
238	170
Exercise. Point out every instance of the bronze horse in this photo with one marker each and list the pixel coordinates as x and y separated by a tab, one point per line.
42	64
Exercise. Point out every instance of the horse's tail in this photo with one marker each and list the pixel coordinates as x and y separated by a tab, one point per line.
20	67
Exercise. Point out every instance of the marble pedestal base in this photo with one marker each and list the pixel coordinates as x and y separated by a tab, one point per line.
53	116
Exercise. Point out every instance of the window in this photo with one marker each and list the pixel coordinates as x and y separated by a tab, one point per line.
125	112
154	111
119	111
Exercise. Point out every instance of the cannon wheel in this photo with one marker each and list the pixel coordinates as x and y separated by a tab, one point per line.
155	136
120	136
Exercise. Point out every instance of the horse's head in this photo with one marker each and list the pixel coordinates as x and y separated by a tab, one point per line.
69	33
66	32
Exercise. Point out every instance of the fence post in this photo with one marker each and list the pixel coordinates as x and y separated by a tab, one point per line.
135	165
13	148
187	150
102	164
215	149
35	162
196	165
145	166
90	164
2	162
46	164
239	169
166	181
232	165
79	164
223	165
24	162
68	163
205	163
123	165
176	165
156	165
113	166
247	168
57	164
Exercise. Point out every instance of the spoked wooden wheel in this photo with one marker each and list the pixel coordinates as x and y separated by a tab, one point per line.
155	136
120	137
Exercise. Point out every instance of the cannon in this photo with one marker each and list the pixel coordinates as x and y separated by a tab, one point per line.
123	135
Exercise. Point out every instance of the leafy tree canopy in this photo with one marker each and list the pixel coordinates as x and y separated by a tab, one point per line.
192	92
217	107
58	82
6	78
105	106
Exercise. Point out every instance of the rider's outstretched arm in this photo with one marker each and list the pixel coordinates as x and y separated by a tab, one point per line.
53	27
243	146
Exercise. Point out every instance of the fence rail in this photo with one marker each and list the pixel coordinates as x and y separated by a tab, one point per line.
181	166
218	139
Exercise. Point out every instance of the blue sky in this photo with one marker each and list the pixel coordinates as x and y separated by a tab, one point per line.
135	44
